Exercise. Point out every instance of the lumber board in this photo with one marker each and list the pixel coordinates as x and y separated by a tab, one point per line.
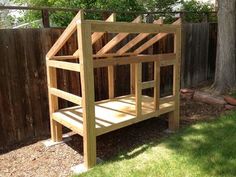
124	27
120	112
64	65
66	96
87	85
136	39
97	35
71	28
148	84
117	39
174	116
55	127
165	60
138	89
157	83
153	40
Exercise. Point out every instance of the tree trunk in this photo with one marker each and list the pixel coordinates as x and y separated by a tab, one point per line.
225	74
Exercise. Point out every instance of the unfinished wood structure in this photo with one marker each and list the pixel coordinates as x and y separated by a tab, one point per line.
89	118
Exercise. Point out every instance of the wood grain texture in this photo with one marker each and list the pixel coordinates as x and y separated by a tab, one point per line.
23	83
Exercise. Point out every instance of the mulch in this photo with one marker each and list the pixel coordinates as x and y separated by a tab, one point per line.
34	159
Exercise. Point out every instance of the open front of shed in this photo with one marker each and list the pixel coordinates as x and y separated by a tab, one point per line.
89	118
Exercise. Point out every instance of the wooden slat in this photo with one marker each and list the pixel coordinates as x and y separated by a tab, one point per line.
64	65
117	39
148	84
136	40
138	89
153	40
71	28
66	96
87	82
55	127
165	59
97	35
124	27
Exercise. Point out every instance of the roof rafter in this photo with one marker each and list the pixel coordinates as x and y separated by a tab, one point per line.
65	35
117	39
153	40
97	35
137	39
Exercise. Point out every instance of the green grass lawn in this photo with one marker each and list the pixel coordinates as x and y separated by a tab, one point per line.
202	150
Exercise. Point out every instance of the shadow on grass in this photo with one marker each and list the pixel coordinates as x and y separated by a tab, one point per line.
211	146
207	146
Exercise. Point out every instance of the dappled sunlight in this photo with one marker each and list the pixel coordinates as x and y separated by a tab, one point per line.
211	146
204	149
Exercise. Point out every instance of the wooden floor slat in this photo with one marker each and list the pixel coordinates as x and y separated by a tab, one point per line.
111	114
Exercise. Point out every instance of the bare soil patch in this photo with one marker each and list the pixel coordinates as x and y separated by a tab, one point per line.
35	159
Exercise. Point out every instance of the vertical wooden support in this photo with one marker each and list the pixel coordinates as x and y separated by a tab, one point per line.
56	128
87	81
138	89
111	72
132	78
132	68
174	115
156	84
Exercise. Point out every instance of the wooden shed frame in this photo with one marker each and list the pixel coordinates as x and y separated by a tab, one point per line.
90	118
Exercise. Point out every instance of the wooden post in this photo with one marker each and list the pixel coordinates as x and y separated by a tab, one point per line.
174	115
87	83
45	19
111	72
156	84
138	89
132	69
56	128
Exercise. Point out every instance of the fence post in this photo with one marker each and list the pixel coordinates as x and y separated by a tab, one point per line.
45	19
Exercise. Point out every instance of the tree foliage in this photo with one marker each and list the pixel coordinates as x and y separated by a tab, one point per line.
62	18
197	11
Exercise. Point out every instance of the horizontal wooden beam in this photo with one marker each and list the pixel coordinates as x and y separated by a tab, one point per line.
167	62
71	57
65	95
167	99
168	59
64	65
125	27
148	84
66	57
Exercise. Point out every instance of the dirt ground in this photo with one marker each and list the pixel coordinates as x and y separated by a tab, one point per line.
34	159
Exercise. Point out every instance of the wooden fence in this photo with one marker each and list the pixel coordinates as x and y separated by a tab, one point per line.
23	88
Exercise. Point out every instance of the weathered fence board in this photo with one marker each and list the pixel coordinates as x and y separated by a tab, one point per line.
23	88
